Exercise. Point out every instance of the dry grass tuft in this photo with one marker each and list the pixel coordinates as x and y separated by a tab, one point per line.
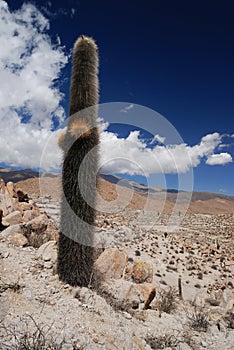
167	300
198	320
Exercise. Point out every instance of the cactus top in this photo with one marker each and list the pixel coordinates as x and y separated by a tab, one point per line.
84	80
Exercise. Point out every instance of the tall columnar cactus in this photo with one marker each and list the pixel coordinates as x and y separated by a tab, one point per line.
79	144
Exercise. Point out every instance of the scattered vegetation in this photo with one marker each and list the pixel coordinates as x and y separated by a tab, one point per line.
167	300
198	320
30	337
15	286
163	341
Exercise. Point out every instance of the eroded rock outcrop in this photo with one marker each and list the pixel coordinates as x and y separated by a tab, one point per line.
21	220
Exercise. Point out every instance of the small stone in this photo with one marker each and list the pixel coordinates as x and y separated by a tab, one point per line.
53	290
203	344
48	264
5	255
127	315
76	292
200	275
48	251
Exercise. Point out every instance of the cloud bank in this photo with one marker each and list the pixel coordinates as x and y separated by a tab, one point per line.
30	100
133	156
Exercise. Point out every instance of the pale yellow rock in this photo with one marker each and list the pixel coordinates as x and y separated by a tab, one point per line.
111	263
18	239
11	189
142	271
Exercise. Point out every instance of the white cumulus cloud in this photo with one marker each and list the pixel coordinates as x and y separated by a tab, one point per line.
219	159
132	156
30	101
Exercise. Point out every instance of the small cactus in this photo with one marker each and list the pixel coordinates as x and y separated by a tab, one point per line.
75	251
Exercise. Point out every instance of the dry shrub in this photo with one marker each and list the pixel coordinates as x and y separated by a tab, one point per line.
167	300
32	336
198	320
162	341
14	286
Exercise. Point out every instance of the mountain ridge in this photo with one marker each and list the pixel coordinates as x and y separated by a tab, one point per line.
16	176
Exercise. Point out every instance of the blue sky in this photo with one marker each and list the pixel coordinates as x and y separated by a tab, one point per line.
175	58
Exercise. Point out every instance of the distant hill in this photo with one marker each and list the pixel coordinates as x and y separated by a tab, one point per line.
171	193
15	175
200	202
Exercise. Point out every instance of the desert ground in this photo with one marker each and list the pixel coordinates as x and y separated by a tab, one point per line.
167	276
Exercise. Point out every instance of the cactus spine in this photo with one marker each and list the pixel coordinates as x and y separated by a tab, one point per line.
75	251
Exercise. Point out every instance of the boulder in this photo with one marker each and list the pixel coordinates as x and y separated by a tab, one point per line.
3	226
38	225
111	264
13	230
6	202
31	214
25	206
52	232
126	295
142	271
14	218
35	231
18	239
11	189
140	293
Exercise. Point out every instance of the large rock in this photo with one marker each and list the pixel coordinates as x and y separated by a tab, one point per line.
140	293
52	232
111	264
126	295
38	224
3	225
39	231
30	214
12	230
6	202
142	271
14	218
18	239
11	189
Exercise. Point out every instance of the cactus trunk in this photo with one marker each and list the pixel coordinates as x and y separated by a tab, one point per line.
75	246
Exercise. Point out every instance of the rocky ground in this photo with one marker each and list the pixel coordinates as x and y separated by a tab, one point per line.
159	289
